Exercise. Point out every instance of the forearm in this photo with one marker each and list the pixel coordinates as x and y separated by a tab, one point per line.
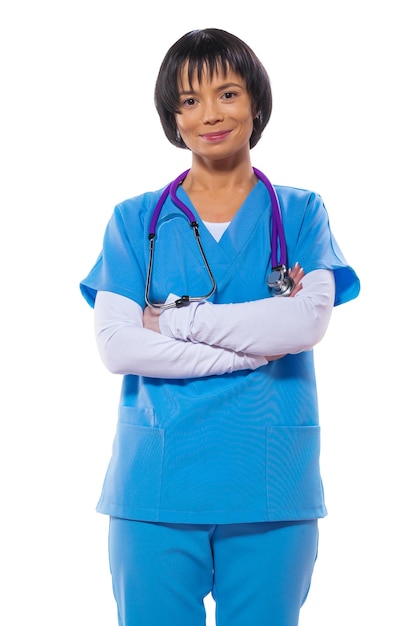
264	327
126	347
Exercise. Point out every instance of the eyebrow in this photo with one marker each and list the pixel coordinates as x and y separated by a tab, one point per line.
186	92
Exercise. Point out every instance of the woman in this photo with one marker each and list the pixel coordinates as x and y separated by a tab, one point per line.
214	482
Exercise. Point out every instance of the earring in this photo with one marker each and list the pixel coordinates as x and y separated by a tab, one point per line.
178	136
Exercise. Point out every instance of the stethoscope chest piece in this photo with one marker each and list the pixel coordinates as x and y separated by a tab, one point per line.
280	282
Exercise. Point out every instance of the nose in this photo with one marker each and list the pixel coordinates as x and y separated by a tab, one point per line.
211	113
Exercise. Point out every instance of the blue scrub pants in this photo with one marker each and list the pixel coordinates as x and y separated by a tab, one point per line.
258	573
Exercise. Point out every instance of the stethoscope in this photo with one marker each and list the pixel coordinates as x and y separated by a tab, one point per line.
278	280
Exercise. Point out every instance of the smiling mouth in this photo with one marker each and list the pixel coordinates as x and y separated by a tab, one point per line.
216	136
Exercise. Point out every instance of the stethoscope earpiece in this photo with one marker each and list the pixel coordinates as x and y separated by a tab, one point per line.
280	282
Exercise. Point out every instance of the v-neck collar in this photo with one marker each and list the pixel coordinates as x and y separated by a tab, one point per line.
240	229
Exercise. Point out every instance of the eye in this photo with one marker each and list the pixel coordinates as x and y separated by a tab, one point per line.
189	102
229	95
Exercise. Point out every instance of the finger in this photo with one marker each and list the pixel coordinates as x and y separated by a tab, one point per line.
297	287
297	271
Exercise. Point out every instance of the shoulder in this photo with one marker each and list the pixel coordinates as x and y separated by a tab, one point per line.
296	194
136	212
139	204
299	201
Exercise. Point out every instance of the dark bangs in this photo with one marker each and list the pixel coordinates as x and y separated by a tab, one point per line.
211	50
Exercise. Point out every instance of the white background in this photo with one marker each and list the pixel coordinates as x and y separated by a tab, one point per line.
79	133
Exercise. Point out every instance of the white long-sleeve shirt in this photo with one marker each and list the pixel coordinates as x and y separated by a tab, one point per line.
207	339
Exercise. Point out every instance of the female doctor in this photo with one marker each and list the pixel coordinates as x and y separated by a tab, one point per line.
214	483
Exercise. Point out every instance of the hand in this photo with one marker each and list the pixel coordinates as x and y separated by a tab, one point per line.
151	318
296	274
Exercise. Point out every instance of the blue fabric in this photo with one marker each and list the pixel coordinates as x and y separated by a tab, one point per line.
162	572
242	447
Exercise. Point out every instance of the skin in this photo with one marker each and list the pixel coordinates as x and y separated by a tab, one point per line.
215	121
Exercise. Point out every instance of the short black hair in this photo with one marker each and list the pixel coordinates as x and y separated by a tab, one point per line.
211	49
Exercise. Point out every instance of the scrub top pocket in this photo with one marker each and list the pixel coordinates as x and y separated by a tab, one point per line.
294	484
135	469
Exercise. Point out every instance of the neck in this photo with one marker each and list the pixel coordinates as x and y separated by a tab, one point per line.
219	177
218	192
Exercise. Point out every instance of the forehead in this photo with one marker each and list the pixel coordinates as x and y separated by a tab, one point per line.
191	74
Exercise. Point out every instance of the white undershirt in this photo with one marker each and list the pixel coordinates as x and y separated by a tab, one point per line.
210	339
216	229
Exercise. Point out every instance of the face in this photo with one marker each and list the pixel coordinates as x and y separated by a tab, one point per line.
216	115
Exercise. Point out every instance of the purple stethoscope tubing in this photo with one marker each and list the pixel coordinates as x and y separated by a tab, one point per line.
277	231
277	237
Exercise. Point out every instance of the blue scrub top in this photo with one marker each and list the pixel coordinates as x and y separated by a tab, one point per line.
241	447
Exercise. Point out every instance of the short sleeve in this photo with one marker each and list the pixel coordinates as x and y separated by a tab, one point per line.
119	267
315	247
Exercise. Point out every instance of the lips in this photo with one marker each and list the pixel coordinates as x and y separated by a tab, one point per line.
216	136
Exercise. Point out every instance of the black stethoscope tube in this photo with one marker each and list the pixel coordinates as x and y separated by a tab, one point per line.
278	280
